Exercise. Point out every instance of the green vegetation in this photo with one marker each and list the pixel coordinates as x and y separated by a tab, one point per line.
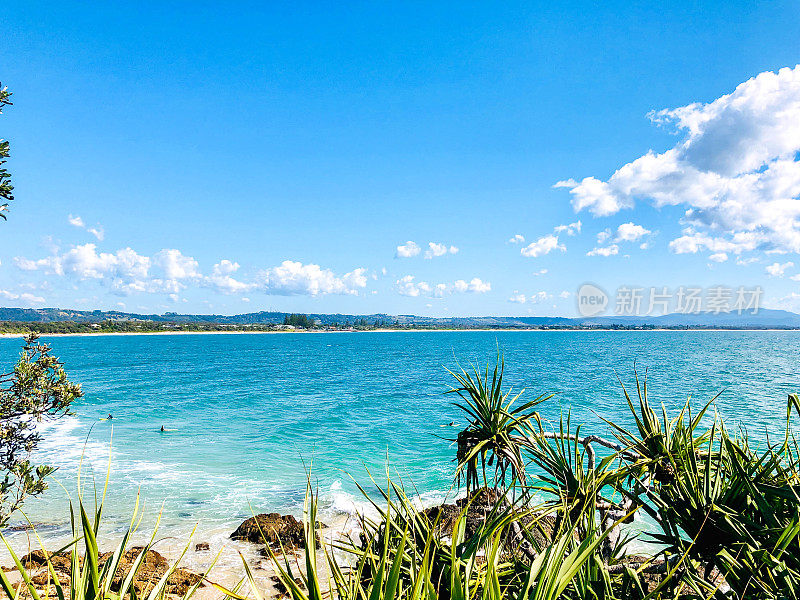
109	326
301	321
147	326
93	575
36	390
549	521
544	516
6	188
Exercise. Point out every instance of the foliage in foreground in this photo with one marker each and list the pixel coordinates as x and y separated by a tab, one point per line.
6	189
543	518
727	514
35	391
91	574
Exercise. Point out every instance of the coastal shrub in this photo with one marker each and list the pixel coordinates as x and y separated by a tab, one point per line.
545	515
550	521
495	430
6	189
36	390
81	571
400	557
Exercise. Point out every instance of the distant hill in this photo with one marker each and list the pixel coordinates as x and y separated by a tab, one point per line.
765	318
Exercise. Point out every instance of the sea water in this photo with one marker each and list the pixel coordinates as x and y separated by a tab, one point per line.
250	418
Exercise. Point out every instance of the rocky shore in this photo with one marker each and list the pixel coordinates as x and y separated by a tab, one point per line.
262	535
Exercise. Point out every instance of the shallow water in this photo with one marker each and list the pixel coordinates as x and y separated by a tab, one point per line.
251	413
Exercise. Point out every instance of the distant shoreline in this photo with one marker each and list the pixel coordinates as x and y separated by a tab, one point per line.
499	330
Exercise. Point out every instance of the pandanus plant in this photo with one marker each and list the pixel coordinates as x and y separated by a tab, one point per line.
496	428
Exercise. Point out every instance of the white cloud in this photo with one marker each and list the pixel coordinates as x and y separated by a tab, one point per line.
535	298
435	249
778	269
124	271
692	242
571	229
408	250
735	170
177	266
407	286
604	236
630	232
293	278
77	221
539	272
627	232
544	245
564	295
517	239
719	257
475	286
604	251
25	298
169	271
48	264
221	279
547	243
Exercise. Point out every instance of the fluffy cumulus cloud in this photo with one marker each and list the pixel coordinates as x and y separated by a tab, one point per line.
436	249
175	265
608	241
408	286
124	270
293	278
411	249
778	269
474	285
222	279
408	250
544	245
611	250
169	271
24	299
630	232
571	229
735	171
550	242
517	239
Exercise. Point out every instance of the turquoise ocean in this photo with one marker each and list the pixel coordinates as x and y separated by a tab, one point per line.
249	414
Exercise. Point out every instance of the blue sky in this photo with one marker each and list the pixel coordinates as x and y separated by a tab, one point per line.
205	157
